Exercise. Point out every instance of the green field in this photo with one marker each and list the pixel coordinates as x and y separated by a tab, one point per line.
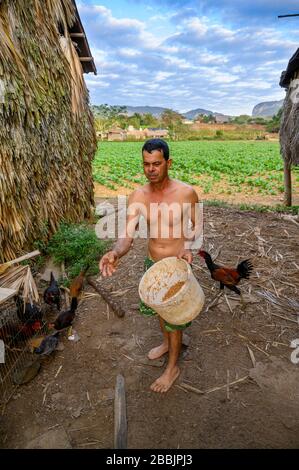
224	167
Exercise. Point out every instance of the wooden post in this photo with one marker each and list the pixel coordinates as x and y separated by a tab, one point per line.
120	414
287	183
118	310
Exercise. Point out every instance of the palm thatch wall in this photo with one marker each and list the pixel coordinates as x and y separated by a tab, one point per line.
289	134
47	138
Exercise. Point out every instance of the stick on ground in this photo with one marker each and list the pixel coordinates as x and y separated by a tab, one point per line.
120	414
118	310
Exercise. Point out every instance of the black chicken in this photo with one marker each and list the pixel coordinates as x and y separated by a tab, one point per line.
66	318
29	312
52	294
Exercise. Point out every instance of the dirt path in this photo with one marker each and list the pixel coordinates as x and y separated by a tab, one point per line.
261	411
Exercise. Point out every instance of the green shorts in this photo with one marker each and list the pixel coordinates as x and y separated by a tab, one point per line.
149	312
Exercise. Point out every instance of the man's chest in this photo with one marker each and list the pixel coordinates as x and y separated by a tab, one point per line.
164	212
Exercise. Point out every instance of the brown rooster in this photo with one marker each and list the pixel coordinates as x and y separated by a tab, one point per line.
76	286
228	277
12	333
65	319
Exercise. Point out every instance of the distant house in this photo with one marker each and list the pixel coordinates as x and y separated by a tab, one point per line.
137	134
187	121
155	133
116	134
102	135
221	118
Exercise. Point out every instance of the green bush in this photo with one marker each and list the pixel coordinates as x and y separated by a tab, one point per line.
77	246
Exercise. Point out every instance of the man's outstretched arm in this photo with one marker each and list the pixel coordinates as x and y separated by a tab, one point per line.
109	261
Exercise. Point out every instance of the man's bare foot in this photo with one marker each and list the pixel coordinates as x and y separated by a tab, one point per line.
163	383
157	352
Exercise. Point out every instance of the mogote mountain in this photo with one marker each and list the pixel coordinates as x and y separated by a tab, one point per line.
157	111
267	108
264	109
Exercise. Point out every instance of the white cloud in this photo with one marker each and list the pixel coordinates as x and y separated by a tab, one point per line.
253	84
222	77
128	52
196	26
189	60
93	82
160	76
209	58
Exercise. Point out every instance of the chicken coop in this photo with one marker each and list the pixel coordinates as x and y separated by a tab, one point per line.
289	128
47	144
20	322
46	125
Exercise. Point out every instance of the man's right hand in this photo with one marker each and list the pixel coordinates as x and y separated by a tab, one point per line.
108	263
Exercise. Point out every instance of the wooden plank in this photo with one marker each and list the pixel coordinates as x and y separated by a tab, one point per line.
6	294
287	183
5	266
86	59
77	35
120	414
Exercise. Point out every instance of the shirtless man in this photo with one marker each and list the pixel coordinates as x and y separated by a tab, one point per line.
166	238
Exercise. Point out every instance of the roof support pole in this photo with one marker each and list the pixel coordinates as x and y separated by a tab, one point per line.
287	183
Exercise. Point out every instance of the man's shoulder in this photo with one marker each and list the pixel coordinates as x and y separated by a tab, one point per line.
138	194
184	188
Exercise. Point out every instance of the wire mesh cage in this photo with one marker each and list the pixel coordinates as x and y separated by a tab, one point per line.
20	323
17	335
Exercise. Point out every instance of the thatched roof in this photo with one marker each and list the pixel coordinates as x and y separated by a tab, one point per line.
288	74
78	36
46	127
289	127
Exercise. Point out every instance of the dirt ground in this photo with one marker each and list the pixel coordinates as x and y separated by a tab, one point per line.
259	411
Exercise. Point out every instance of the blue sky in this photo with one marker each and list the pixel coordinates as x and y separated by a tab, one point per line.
224	56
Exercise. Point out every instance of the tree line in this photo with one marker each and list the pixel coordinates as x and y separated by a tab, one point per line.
108	117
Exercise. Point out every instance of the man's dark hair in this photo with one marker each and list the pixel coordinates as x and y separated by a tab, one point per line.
157	144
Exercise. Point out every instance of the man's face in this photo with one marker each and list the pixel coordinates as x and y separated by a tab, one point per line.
155	166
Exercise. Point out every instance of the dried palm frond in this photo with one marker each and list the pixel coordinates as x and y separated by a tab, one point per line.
20	277
280	301
8	49
78	84
13	277
63	11
30	292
